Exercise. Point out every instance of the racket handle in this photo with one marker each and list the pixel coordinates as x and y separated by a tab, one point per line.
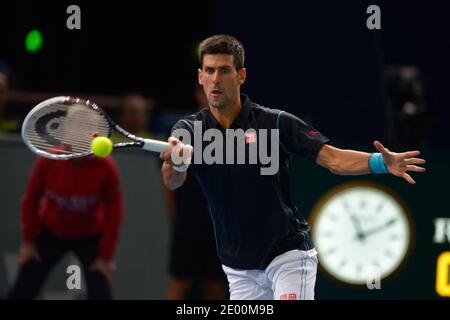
155	145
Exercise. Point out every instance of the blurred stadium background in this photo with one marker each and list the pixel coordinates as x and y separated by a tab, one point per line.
316	60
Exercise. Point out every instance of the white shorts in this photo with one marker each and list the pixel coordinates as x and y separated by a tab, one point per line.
290	276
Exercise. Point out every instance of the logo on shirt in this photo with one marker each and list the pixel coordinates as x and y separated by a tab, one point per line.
73	203
290	296
312	133
250	137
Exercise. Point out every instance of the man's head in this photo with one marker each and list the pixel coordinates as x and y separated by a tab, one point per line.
3	90
222	69
135	113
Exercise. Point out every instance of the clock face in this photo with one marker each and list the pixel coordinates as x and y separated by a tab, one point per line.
360	231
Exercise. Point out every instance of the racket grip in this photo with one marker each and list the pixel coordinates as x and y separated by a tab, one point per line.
155	145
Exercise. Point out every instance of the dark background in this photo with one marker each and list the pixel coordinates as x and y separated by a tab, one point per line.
315	59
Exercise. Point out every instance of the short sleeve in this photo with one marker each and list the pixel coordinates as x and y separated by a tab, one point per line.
298	137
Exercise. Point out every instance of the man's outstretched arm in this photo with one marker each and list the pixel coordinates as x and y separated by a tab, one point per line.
351	162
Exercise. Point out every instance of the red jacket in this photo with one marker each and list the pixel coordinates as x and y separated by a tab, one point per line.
74	199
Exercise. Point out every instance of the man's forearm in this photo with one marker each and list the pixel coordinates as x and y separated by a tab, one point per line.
344	162
351	162
172	179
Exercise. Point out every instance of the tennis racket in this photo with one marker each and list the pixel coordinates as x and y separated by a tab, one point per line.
62	128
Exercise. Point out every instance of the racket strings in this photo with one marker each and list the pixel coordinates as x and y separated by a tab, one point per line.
66	129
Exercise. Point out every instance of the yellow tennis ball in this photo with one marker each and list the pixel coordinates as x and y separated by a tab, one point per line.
101	146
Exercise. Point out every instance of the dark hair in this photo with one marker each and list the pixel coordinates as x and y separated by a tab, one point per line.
223	44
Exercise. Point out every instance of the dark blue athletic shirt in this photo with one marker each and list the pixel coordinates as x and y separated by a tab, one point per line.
254	217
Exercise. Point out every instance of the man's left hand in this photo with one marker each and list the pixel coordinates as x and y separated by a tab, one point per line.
106	268
399	163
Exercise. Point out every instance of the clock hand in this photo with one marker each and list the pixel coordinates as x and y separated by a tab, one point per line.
357	225
379	228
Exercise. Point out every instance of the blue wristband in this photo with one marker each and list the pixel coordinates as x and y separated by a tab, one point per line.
376	164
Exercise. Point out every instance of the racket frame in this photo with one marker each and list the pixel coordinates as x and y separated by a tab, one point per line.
146	144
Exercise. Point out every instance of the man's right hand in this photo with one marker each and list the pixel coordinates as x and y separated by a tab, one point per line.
174	174
27	252
179	155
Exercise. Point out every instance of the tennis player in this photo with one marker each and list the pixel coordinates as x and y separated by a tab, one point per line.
262	239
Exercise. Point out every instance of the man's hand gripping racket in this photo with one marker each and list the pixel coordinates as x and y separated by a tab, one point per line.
178	156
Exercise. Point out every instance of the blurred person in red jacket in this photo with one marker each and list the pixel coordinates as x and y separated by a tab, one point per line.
76	206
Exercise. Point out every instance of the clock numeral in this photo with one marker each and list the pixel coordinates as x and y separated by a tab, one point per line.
342	263
346	205
379	207
358	268
388	253
327	234
391	222
330	251
394	237
363	204
333	217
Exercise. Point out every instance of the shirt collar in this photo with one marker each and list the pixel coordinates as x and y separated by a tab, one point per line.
241	120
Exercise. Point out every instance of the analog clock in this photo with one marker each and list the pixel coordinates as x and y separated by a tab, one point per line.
361	230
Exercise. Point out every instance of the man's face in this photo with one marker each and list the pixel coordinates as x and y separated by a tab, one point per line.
3	89
220	79
135	116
